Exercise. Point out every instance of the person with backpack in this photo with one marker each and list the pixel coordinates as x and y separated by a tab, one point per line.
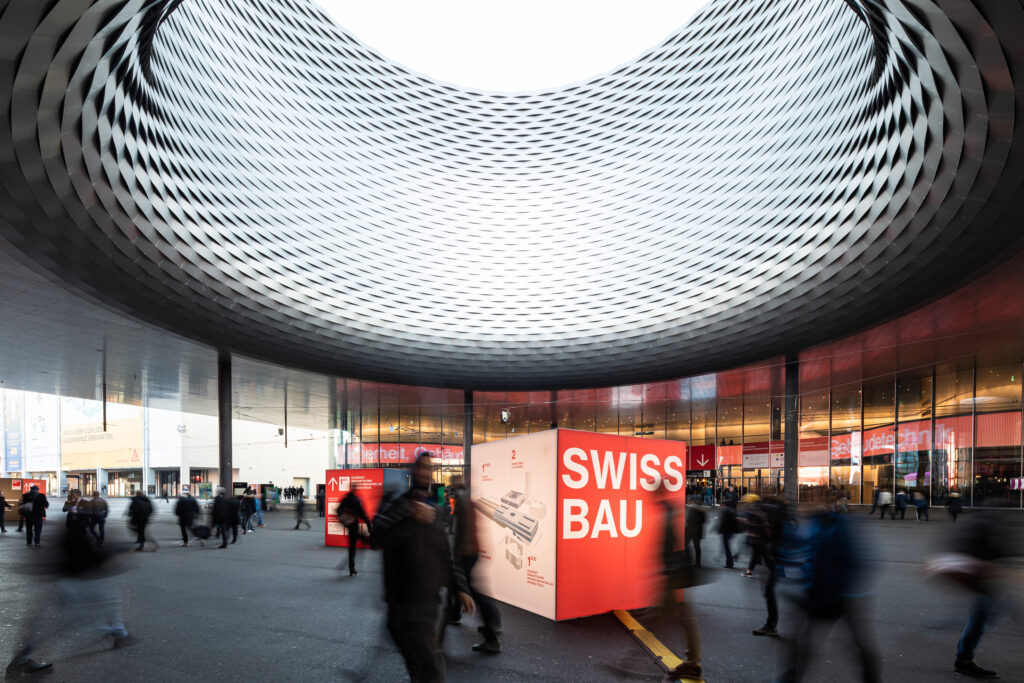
186	509
920	505
139	512
833	585
221	516
248	510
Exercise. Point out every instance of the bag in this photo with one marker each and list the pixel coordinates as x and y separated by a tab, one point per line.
201	532
959	568
25	509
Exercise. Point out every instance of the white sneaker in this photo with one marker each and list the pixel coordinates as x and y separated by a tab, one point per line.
183	544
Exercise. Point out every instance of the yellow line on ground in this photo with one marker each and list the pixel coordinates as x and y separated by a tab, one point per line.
668	659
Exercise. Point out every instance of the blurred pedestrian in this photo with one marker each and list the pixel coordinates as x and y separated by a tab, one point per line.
234	516
467	552
844	499
33	509
764	525
350	511
221	514
186	509
954	505
728	526
874	501
320	502
85	595
247	510
694	530
139	512
834	586
417	565
920	505
98	511
884	503
71	507
678	572
300	513
258	504
981	541
4	507
900	505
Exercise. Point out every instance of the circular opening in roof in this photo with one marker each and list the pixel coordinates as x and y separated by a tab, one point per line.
504	46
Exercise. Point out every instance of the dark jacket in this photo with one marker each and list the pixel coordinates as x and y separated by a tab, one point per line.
4	505
351	505
417	558
235	510
187	509
694	527
39	504
140	509
248	505
221	510
466	544
728	524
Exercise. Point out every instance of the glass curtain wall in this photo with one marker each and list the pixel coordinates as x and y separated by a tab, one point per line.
932	431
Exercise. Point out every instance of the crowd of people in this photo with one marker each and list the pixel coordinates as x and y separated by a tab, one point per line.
430	549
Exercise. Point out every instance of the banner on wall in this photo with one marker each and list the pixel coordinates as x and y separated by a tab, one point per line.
397	454
86	446
569	523
42	432
14	432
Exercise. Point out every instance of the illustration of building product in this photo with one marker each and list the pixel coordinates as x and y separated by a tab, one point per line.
513	499
514	552
522	525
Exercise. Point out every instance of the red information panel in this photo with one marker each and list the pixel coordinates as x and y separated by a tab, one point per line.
610	523
368	485
701	458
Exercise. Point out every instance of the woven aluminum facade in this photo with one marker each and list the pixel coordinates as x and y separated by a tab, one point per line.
775	174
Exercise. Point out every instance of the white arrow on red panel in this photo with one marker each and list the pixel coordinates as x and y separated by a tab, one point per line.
702	463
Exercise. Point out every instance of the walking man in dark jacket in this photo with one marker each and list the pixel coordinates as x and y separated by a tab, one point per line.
139	512
417	565
34	503
221	516
350	511
98	511
187	509
728	526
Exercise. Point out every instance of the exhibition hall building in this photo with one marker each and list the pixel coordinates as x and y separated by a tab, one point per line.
240	244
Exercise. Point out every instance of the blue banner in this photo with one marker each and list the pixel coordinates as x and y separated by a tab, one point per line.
14	433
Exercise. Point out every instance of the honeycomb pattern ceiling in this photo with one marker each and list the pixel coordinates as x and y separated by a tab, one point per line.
248	174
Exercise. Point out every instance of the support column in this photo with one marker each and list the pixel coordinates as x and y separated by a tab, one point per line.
467	437
792	426
185	479
102	482
224	417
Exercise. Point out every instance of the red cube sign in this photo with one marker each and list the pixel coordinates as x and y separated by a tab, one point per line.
571	522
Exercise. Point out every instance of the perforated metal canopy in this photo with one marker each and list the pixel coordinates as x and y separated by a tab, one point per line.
247	174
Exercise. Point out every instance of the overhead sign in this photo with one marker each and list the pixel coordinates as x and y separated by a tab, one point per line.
701	458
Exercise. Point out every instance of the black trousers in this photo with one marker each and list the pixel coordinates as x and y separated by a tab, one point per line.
486	607
769	588
140	530
726	546
33	529
353	541
815	621
222	531
414	630
184	526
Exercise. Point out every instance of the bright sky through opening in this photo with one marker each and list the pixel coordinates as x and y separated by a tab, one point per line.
521	46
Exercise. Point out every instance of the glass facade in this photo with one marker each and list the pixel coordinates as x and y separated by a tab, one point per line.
933	429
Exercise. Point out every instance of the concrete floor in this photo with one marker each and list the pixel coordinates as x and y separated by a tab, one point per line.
276	607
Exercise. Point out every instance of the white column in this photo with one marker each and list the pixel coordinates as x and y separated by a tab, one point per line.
102	480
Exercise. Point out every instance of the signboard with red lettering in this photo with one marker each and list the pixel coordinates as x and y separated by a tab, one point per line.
368	485
570	522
